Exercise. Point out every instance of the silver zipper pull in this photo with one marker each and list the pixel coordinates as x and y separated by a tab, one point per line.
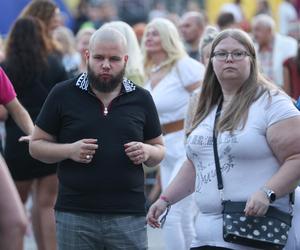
105	111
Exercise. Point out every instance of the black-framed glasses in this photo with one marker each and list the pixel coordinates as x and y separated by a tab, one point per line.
164	217
237	55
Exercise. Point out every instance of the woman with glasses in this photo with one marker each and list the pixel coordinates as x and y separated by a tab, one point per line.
171	77
259	156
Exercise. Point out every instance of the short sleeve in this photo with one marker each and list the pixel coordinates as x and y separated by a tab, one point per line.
190	71
7	91
280	108
152	127
49	116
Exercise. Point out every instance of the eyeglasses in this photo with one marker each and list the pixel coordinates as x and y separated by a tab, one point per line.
164	217
236	55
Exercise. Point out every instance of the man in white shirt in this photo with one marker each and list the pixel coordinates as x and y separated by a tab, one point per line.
287	15
272	48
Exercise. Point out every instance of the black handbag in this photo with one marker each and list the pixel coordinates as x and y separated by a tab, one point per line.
266	232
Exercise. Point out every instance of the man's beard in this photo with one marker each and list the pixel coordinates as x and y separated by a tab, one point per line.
105	86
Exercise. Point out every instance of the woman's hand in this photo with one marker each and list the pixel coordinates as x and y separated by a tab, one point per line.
137	152
156	210
257	204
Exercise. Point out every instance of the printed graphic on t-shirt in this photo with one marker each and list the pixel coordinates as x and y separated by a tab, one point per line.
200	152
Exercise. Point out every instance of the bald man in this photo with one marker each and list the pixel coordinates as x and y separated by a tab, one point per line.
191	27
100	128
272	48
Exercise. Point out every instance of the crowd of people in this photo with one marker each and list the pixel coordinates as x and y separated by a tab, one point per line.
91	113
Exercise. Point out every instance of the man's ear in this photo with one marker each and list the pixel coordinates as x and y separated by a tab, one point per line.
269	31
87	55
126	58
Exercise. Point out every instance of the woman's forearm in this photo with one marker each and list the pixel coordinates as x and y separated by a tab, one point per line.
182	185
20	116
287	178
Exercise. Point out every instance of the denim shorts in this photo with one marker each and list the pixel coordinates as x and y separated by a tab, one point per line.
91	231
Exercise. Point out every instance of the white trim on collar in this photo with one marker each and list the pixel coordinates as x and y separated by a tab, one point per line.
128	85
83	83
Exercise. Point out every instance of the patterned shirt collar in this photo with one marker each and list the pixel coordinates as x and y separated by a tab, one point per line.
83	83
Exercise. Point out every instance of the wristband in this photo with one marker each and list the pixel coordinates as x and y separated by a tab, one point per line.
165	199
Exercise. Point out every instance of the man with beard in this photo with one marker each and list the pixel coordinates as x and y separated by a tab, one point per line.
100	128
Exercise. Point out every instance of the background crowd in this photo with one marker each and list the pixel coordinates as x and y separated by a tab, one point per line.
169	45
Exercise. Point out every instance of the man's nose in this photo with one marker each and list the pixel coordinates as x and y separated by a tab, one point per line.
105	63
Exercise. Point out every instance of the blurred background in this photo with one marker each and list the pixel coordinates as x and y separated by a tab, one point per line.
78	12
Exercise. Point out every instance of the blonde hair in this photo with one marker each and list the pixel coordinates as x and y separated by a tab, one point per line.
84	31
135	62
170	42
211	94
66	38
207	38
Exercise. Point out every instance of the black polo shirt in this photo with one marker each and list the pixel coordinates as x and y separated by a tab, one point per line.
111	183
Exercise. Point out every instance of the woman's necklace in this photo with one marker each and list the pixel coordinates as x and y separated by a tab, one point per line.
158	67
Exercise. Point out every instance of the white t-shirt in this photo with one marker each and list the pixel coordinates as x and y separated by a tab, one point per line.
171	100
246	160
170	96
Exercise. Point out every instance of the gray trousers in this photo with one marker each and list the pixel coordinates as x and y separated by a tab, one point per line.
91	231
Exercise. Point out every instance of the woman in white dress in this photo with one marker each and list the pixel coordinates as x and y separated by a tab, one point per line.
171	76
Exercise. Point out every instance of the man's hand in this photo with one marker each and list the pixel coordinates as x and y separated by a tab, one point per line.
83	150
137	152
26	138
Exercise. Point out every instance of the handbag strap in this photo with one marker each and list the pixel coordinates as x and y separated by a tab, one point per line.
216	155
217	161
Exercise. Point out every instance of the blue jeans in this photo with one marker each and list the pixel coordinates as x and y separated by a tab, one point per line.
91	231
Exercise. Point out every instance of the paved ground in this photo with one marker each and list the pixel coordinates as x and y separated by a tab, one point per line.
154	237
